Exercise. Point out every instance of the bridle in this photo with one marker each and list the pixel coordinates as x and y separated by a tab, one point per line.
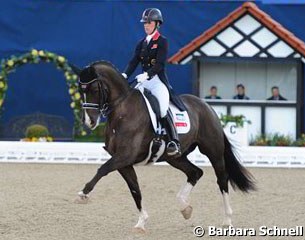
104	106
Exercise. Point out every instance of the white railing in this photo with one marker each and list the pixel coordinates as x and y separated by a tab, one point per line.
93	153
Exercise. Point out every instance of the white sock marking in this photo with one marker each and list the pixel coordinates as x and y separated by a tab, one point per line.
228	210
183	195
143	217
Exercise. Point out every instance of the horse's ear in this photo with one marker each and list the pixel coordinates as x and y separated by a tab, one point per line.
88	74
75	69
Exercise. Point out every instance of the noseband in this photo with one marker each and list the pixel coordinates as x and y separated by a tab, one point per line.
103	105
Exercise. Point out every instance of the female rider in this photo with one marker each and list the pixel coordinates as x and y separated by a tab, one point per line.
151	52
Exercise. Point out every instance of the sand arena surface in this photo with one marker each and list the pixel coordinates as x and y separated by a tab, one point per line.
36	202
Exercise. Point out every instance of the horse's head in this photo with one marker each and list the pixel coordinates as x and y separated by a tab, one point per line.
101	86
94	95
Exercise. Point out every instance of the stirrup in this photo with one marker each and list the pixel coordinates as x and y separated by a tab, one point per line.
173	149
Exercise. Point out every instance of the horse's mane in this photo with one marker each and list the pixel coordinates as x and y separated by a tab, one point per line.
90	72
106	63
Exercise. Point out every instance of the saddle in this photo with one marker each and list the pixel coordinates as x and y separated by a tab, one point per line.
180	118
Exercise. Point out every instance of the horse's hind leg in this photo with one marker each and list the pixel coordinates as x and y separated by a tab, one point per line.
215	156
129	175
222	181
193	174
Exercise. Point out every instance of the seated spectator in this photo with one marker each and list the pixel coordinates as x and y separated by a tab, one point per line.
276	96
241	93
213	93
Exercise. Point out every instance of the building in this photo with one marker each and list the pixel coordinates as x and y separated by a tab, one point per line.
249	47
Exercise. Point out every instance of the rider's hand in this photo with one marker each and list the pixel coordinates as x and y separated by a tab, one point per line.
124	75
142	77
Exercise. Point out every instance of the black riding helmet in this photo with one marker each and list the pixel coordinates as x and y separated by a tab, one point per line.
152	14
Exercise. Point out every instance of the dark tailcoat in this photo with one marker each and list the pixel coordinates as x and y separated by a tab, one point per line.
153	59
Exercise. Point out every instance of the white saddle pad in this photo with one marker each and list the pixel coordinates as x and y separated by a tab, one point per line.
181	118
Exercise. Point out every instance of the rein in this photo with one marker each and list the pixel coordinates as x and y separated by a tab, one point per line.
104	106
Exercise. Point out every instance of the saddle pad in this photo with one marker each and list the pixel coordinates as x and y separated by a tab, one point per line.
181	118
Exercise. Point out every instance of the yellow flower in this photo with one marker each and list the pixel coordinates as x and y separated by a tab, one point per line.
1	102
50	55
72	104
10	63
41	53
34	52
83	133
71	91
68	76
61	59
34	139
77	96
2	85
24	60
74	76
49	139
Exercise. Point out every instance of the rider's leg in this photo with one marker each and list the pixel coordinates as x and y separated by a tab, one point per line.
160	91
173	146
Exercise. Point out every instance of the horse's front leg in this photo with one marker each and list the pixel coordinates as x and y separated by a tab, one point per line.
129	175
111	165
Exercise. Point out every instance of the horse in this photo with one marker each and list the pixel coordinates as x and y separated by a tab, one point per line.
129	132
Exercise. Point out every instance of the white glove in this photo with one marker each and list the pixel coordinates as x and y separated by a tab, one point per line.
124	75
142	77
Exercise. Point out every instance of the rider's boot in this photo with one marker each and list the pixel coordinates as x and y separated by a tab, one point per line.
173	145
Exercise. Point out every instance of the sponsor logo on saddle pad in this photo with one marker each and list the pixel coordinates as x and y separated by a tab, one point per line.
181	124
180	117
180	120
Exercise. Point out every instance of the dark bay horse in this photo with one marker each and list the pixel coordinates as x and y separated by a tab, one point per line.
129	133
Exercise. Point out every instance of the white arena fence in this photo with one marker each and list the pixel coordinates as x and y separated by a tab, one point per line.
93	153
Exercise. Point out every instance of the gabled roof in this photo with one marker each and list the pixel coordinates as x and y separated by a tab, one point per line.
246	32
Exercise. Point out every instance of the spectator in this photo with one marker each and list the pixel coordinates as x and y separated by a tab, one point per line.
241	93
213	93
276	96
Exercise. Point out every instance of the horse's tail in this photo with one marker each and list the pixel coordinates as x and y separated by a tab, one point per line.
238	175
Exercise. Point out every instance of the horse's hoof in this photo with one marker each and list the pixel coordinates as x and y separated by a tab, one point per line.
187	212
139	230
82	198
227	225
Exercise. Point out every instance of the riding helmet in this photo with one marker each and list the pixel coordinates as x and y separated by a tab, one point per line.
152	14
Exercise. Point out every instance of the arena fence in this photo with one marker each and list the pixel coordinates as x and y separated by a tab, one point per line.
93	153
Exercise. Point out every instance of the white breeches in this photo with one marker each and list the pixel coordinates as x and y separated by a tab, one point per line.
160	91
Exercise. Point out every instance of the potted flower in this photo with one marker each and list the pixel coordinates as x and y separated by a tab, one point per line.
275	139
37	133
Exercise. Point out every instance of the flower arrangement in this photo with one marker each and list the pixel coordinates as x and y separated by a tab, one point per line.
36	56
239	120
37	133
300	142
276	139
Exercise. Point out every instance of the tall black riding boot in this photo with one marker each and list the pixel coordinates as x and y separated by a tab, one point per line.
173	145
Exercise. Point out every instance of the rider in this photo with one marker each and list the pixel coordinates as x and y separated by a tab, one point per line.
151	52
